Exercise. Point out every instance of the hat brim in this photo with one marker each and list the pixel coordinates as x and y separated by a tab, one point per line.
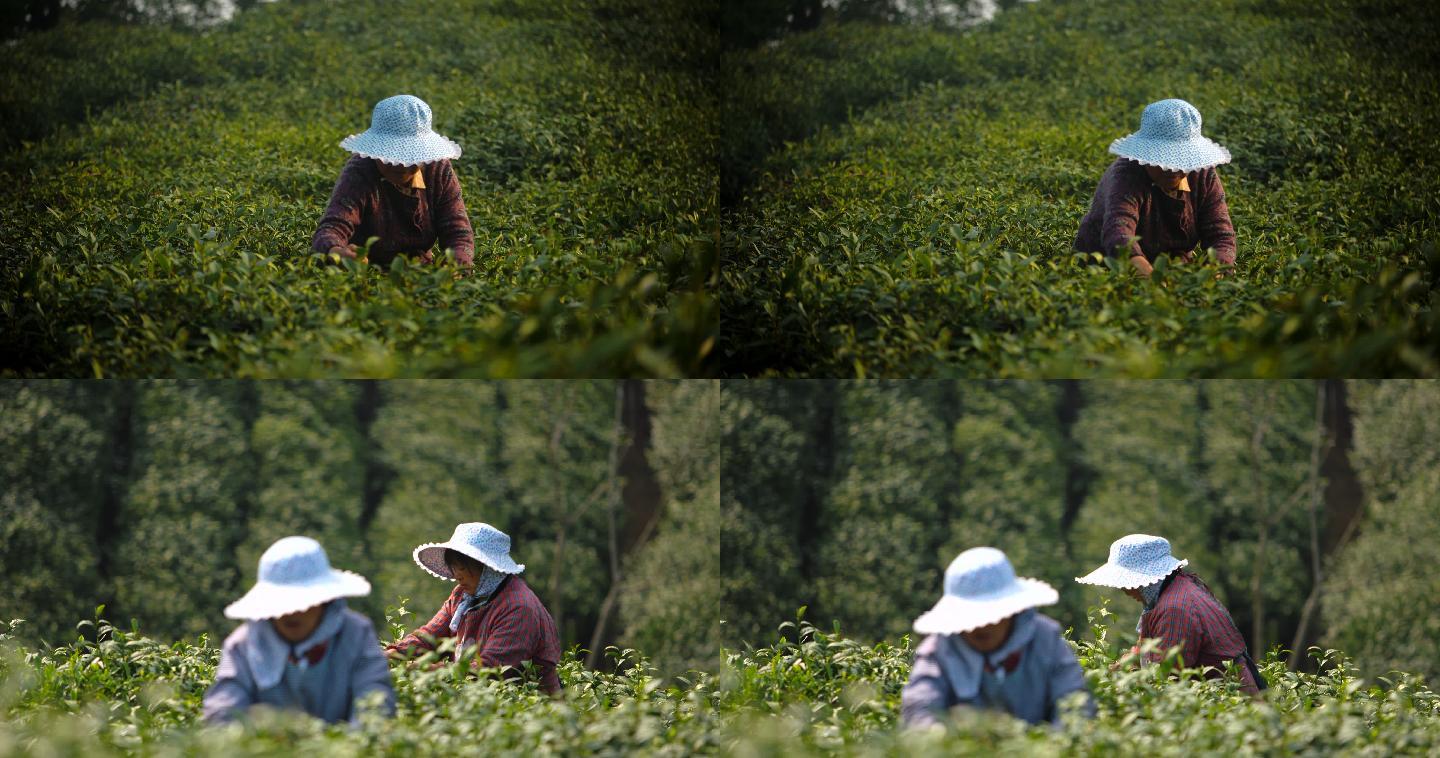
953	615
431	557
1112	575
401	151
267	601
1187	156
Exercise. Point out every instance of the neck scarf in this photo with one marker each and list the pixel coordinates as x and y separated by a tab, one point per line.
490	580
269	654
1151	594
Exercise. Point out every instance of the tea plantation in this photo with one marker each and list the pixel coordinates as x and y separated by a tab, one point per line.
163	186
128	693
902	199
819	693
812	693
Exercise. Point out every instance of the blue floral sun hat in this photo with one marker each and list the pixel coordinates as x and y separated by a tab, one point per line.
981	589
480	541
1170	138
400	134
294	575
1136	560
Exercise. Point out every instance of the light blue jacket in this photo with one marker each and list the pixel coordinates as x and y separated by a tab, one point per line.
254	670
947	673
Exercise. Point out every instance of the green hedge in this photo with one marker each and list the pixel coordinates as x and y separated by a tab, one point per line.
819	693
167	200
118	692
928	232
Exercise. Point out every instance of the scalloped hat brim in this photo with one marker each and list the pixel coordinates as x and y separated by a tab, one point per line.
431	557
1121	578
1187	156
402	151
267	600
954	615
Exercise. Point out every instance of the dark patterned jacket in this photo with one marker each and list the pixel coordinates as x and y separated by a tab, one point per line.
1127	203
513	628
363	205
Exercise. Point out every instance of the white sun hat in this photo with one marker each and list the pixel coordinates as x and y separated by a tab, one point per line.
1136	560
1170	138
400	134
980	589
294	575
480	541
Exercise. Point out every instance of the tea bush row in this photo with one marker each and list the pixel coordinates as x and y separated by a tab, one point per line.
164	229
930	232
820	693
114	692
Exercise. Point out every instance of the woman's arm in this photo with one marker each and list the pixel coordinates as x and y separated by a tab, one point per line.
1118	229
233	690
1212	220
437	627
926	697
344	212
452	221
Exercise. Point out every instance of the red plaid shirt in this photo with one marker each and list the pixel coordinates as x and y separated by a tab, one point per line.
512	628
1187	615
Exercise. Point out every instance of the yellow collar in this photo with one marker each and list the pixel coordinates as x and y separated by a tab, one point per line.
1175	193
418	183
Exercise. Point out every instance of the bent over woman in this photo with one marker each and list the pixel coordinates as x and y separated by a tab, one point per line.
989	648
491	607
1178	608
1162	196
300	648
398	186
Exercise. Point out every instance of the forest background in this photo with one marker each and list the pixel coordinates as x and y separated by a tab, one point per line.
156	499
1312	508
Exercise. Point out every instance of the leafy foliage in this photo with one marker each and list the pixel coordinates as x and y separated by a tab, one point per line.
165	212
850	498
904	199
170	528
820	693
121	692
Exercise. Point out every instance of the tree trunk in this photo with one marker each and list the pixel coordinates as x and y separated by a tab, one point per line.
810	532
1078	475
1344	497
1343	501
1221	531
637	509
375	474
641	492
120	459
247	407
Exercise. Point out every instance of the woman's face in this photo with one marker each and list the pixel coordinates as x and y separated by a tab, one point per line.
988	638
1166	179
1134	595
295	627
467	579
398	175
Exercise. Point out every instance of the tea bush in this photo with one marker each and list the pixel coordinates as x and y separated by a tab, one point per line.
165	186
119	692
819	693
905	198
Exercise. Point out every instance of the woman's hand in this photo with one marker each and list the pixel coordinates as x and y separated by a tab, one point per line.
1142	265
348	251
